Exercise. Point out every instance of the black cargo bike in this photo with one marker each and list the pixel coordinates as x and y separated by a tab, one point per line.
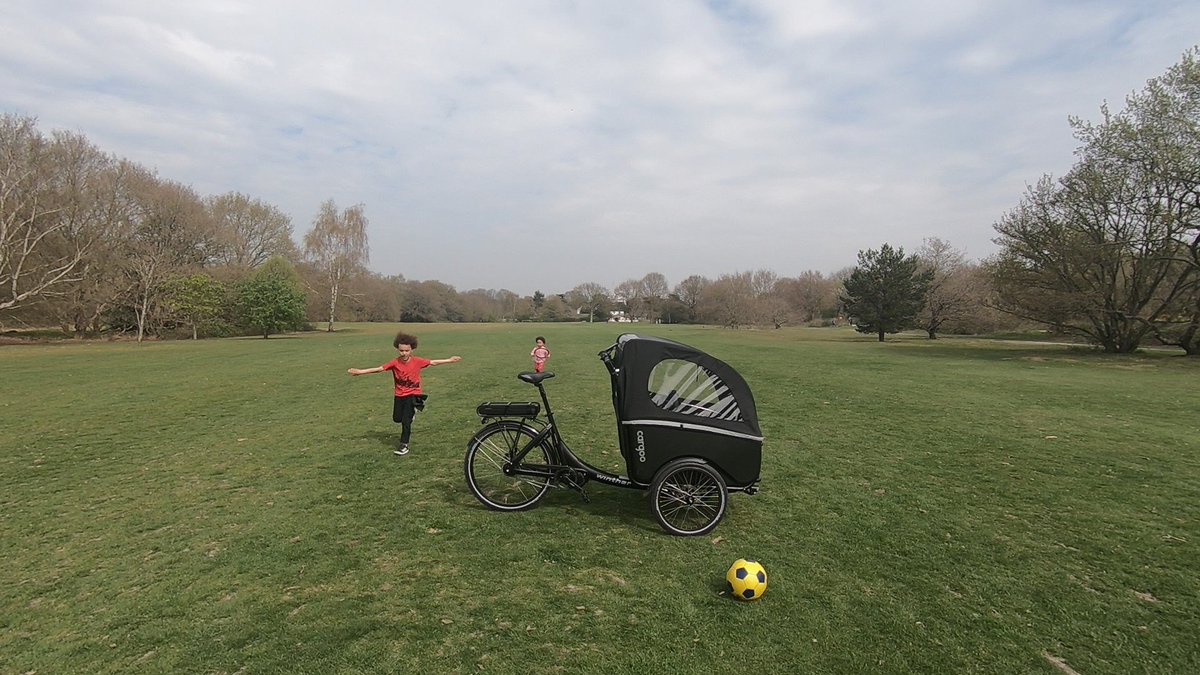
686	423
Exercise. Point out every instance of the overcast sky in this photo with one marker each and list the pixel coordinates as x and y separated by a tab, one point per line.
539	145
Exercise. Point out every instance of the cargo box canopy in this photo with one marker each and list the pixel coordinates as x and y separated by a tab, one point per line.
659	381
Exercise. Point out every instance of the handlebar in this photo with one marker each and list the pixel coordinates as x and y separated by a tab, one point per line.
607	357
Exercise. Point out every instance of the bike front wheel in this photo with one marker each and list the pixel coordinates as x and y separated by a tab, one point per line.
688	497
490	451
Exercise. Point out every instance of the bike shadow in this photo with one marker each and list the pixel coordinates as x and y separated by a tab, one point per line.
629	507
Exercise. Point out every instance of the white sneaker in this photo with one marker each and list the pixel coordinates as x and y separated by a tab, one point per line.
402	450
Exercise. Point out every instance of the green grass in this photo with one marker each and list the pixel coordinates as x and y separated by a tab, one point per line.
953	506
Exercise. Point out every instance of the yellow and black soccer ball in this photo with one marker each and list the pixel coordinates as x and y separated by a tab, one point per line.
747	579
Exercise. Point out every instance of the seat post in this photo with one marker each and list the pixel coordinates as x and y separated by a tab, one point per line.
546	402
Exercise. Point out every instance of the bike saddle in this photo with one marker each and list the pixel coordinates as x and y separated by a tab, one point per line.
534	378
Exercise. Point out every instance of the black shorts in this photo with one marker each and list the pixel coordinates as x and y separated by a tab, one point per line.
404	408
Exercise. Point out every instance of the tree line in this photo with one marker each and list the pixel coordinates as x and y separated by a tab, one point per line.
95	244
1110	252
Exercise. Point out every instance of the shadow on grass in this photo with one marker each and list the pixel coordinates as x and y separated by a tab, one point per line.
629	507
607	503
720	588
388	439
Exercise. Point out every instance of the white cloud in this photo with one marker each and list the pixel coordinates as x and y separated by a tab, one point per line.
538	145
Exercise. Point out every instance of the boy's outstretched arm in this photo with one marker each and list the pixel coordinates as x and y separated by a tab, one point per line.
365	371
439	362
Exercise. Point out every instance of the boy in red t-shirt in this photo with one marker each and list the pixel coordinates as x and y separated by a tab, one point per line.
406	371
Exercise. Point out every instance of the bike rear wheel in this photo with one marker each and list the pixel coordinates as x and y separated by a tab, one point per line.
688	497
487	454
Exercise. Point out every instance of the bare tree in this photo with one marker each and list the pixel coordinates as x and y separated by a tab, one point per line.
250	230
556	308
480	305
762	282
690	291
509	303
810	295
979	315
950	294
728	301
337	244
47	209
590	296
655	289
632	292
104	282
431	301
168	234
368	296
768	307
108	281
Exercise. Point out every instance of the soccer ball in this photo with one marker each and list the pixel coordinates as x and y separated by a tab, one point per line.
747	579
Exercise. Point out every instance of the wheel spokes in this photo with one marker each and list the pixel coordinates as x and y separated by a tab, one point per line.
689	500
496	451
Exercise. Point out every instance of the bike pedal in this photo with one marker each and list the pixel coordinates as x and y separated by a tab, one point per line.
583	493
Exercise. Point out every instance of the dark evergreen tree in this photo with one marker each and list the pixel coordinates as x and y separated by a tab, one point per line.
886	291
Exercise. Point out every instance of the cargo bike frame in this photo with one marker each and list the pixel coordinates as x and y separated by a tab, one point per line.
687	428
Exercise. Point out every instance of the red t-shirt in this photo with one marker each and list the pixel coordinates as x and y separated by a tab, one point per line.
407	375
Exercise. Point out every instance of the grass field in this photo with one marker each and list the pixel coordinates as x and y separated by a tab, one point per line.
233	506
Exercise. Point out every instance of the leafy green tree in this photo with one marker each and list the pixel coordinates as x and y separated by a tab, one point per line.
885	291
197	300
271	300
1111	251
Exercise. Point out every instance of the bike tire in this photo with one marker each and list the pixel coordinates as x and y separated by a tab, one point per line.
688	497
488	451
